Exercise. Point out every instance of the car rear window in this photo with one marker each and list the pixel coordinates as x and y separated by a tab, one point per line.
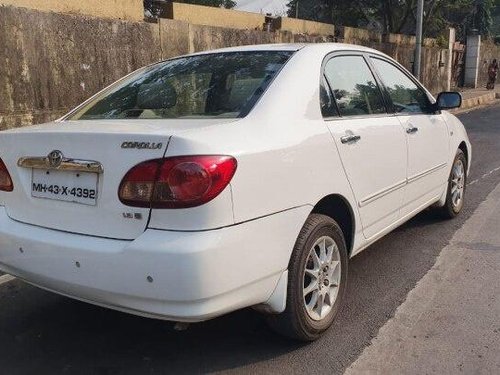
204	86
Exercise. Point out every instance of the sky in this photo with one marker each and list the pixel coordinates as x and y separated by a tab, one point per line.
277	7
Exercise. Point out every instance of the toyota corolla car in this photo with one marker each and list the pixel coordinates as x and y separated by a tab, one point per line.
227	179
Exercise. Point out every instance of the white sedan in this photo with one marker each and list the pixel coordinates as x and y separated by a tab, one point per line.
226	179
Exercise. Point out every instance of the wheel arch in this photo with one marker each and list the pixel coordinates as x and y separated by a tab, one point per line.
463	146
339	209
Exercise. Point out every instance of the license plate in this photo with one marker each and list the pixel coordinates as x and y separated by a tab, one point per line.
77	187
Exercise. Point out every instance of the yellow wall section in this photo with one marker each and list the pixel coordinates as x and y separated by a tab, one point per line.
211	16
117	9
299	26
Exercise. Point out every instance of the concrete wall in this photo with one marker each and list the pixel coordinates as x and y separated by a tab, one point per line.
220	17
357	36
298	26
211	16
363	36
116	9
203	38
489	51
50	62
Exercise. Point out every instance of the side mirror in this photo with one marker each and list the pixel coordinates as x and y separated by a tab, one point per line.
449	100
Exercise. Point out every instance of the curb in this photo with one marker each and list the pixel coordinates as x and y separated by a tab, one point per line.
480	100
477	102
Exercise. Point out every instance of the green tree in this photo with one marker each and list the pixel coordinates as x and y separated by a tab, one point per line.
399	16
466	16
389	15
496	22
496	19
337	12
480	18
317	10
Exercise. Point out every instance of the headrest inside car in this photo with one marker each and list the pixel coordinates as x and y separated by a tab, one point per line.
157	95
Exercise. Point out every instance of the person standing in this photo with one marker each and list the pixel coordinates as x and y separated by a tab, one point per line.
492	74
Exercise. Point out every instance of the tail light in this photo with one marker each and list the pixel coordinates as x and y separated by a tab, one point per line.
5	180
176	182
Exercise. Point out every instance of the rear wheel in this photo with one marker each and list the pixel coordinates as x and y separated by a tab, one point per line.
455	196
317	276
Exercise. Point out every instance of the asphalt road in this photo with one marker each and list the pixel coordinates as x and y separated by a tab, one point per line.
44	333
450	322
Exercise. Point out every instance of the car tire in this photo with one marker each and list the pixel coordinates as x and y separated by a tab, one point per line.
457	182
303	318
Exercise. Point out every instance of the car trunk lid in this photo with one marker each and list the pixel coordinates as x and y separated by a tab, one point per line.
95	156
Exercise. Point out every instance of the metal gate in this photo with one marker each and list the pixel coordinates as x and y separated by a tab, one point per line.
457	65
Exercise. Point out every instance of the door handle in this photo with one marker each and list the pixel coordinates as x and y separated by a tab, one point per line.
411	130
351	138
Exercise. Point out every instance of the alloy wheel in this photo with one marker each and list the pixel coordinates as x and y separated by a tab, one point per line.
457	185
321	278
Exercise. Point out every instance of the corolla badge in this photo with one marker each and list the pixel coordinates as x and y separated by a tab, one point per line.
55	158
142	145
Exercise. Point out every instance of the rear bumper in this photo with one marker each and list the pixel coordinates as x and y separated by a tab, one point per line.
182	276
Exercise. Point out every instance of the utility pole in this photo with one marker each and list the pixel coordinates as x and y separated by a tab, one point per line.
297	9
418	47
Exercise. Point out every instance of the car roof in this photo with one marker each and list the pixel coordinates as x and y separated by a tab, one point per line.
326	47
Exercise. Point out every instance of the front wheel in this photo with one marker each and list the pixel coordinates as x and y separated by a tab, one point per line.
455	196
317	276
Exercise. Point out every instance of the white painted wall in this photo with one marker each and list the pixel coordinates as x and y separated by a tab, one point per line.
472	60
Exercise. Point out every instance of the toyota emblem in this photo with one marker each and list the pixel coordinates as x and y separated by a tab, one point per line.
55	158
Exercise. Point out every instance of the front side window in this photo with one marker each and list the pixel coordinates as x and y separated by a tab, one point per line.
354	87
223	85
406	96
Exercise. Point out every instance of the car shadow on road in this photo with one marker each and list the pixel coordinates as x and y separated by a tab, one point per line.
53	334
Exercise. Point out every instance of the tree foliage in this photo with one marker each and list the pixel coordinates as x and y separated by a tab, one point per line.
481	16
496	22
399	16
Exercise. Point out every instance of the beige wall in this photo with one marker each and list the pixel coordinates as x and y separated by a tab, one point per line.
359	36
117	9
210	16
299	26
362	36
401	39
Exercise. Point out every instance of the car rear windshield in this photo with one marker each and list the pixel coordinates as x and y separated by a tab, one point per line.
223	85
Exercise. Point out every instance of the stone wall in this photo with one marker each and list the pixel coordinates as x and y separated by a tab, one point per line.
50	62
116	9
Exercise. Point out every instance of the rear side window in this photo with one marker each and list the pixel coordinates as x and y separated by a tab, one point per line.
354	86
328	107
225	85
406	96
